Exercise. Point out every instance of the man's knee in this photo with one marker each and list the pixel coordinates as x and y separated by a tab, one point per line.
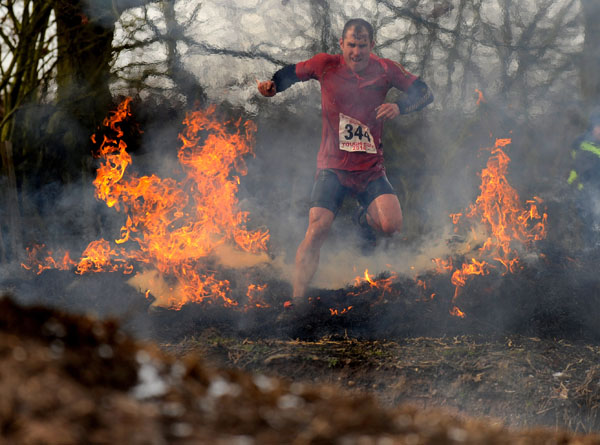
319	223
385	214
391	226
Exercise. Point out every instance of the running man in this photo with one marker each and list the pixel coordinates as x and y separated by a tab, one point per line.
354	85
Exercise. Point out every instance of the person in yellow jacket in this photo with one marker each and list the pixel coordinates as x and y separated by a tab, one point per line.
584	178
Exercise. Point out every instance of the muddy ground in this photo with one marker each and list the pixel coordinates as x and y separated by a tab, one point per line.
68	379
516	381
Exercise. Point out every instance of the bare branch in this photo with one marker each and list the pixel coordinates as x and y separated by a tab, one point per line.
205	48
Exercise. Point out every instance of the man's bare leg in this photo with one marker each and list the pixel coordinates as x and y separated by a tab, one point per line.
308	253
385	214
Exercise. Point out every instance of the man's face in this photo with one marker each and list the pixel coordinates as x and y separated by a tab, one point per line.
356	48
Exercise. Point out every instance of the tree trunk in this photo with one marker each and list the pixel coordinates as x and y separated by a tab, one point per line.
590	57
11	206
185	81
83	69
85	31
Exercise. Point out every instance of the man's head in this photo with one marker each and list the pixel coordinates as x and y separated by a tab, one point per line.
357	43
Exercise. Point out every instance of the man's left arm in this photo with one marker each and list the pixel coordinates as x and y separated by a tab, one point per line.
416	97
417	94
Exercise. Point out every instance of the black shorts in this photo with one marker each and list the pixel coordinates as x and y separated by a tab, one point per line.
328	192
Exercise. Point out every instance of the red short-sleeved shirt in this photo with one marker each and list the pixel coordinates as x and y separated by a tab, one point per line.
351	135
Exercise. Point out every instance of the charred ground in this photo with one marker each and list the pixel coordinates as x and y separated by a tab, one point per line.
551	297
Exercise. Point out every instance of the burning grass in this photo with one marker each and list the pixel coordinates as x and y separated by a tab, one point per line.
175	229
533	302
172	225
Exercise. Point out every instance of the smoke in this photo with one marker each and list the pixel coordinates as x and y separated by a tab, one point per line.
433	158
342	262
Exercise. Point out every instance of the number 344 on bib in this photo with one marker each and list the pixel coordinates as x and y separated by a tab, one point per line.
355	136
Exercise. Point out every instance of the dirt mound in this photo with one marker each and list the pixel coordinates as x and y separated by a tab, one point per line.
71	379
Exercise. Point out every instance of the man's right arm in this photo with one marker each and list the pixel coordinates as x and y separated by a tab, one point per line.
281	81
287	76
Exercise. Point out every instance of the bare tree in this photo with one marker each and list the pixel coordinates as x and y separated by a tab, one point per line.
589	62
24	63
24	71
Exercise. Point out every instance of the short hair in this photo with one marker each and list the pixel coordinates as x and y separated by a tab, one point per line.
358	24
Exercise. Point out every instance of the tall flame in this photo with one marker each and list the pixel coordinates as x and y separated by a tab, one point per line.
173	225
506	223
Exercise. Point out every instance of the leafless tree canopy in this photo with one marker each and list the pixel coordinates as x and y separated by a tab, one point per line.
526	53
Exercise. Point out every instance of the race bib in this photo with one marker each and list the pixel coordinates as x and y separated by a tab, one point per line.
355	136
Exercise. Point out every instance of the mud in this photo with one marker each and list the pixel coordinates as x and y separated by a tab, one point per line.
73	379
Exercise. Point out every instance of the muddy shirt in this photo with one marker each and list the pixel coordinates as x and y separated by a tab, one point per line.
351	135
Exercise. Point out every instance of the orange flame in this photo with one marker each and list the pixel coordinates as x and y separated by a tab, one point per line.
100	257
337	312
173	226
505	221
46	261
455	217
459	277
499	208
443	266
457	312
254	294
383	284
480	98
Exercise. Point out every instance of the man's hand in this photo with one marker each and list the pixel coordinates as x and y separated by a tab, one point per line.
387	111
266	88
